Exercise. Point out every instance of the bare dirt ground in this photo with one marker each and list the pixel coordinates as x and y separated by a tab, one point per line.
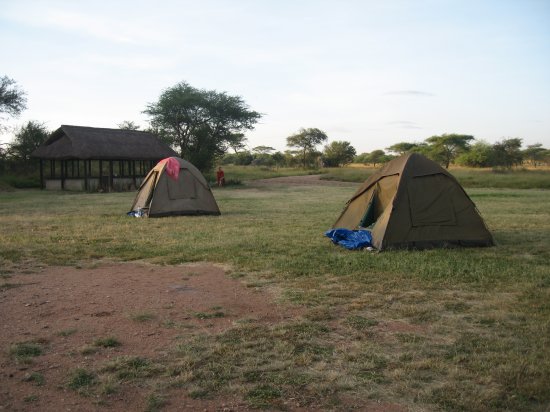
66	309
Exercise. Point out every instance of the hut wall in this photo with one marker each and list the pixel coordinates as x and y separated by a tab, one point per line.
120	184
52	184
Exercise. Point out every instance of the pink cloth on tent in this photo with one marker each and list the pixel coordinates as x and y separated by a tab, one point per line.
172	167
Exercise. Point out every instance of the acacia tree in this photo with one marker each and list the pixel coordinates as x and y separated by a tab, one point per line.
535	153
262	156
375	157
200	124
12	97
237	142
447	147
263	150
402	148
338	153
128	125
306	140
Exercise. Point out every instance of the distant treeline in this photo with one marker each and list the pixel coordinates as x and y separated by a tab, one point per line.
447	149
465	150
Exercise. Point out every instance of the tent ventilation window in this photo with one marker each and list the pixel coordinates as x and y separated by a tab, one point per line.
369	218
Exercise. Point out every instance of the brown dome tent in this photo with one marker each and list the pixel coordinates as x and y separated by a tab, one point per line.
174	187
412	202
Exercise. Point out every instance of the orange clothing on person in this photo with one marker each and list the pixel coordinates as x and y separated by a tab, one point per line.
220	177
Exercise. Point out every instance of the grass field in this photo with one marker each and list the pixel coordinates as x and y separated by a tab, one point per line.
470	328
242	173
468	177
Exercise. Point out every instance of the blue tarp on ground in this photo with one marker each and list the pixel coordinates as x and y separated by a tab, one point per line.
350	239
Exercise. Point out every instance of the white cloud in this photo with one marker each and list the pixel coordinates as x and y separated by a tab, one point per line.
412	93
404	124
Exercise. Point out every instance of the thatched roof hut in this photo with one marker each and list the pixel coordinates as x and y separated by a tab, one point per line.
77	154
77	142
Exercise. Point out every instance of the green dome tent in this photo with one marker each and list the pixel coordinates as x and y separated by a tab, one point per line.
174	187
412	202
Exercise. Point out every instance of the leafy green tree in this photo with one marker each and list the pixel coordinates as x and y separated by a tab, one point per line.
376	157
263	159
263	149
128	125
545	157
3	156
243	158
306	140
360	158
279	159
292	158
27	139
338	153
236	141
201	124
535	153
315	158
402	148
262	156
507	153
12	97
479	155
447	147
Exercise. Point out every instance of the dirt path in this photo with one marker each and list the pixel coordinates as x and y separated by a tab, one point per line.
65	310
306	180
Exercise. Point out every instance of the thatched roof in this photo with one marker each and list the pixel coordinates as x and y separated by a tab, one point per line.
87	143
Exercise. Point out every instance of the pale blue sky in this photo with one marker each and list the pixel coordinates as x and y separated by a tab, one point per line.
370	72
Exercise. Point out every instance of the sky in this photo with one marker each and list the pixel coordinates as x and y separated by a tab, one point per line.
373	73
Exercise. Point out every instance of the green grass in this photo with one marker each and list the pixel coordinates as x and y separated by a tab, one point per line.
81	380
349	174
109	342
30	398
457	329
6	286
209	315
131	368
244	173
468	177
25	351
35	378
155	402
9	182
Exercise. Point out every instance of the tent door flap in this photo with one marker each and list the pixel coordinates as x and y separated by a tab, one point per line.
369	218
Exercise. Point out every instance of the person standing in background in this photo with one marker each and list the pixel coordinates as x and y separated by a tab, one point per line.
220	177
